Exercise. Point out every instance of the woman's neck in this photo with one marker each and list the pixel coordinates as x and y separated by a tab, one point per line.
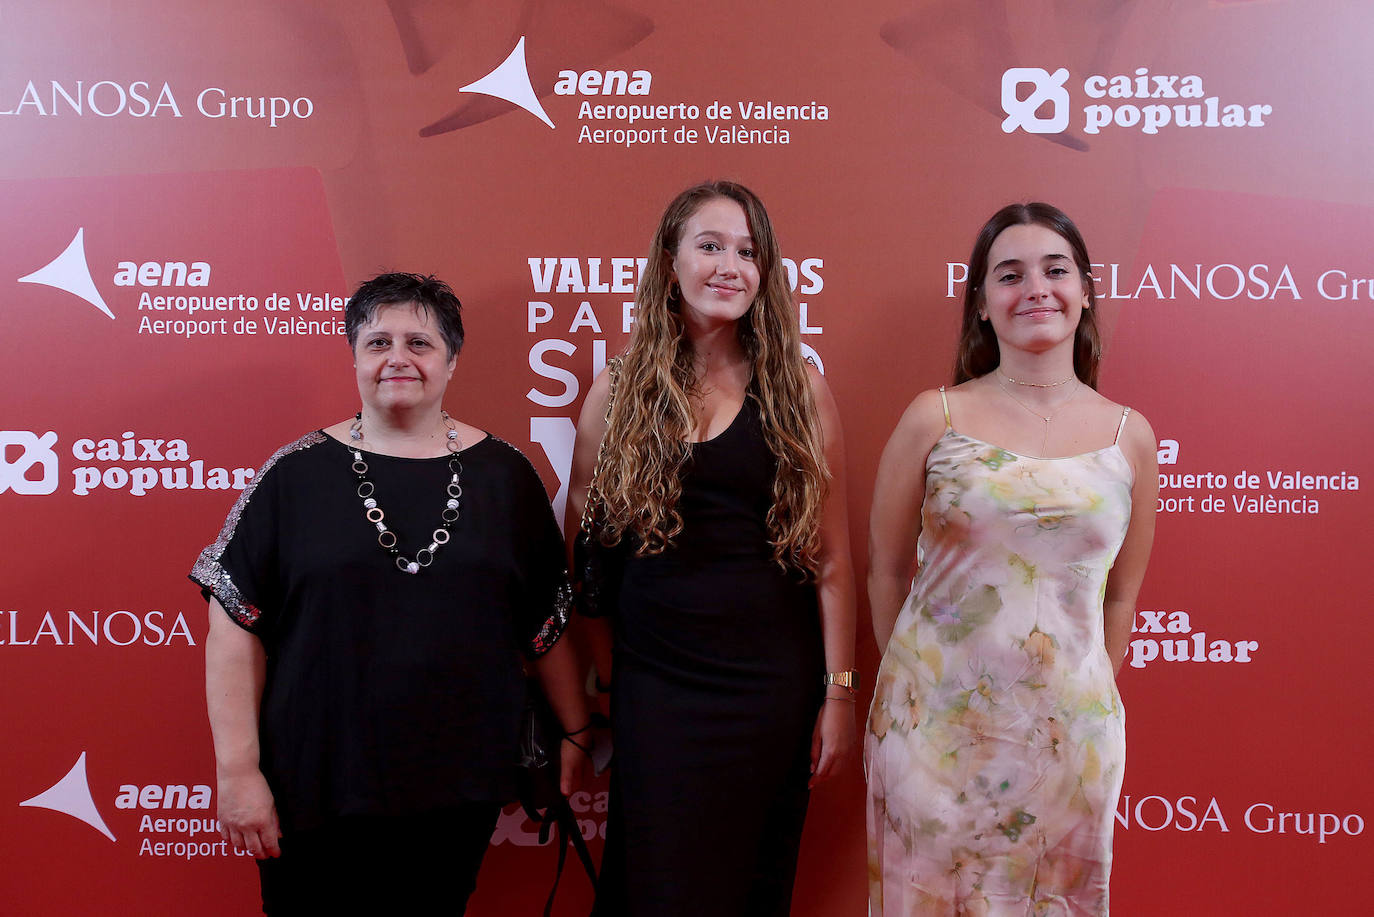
1038	378
1035	369
716	350
419	433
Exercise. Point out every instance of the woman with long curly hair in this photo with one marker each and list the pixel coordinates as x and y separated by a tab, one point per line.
722	475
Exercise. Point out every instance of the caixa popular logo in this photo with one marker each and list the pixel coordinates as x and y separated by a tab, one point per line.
1038	101
513	827
126	463
28	464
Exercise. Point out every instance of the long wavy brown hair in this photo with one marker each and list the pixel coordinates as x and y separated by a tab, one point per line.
978	352
639	483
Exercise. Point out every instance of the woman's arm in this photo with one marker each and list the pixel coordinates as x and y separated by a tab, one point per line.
235	670
833	740
894	523
558	672
591	426
1123	583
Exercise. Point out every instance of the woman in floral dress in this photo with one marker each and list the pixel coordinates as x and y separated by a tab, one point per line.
996	742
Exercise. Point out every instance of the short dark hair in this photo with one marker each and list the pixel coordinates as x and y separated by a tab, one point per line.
978	352
424	291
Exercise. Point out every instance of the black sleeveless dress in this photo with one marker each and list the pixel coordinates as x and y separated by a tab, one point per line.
717	685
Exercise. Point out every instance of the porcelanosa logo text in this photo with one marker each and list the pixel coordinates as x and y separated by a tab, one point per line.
94	627
126	463
99	99
1211	814
1038	102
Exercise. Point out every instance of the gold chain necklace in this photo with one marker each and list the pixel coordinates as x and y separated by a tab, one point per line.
1047	418
1064	381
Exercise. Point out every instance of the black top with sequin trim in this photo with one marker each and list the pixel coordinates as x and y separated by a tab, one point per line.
386	692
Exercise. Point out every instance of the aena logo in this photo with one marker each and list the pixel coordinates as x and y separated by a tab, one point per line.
511	81
162	274
71	273
1046	88
37	452
72	796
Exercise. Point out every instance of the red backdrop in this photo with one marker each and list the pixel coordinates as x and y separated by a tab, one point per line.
189	193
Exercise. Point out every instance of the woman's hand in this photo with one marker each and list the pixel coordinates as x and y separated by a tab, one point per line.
561	675
235	670
574	756
832	741
248	815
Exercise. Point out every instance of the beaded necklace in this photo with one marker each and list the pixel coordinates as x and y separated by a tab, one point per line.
373	512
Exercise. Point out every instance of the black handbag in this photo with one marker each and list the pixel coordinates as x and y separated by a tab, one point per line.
598	568
599	571
537	781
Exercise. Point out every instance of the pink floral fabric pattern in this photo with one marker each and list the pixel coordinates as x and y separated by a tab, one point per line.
996	741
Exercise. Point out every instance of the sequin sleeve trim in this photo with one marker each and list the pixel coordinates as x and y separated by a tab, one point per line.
557	621
210	574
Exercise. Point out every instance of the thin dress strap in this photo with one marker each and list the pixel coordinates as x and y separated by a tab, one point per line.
945	402
1125	412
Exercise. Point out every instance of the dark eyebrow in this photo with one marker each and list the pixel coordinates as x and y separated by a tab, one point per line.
719	234
378	332
1015	262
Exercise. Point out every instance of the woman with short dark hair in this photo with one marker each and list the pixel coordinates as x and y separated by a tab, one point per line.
371	596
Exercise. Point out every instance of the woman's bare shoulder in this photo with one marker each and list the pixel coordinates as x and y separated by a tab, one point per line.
1139	443
923	421
599	395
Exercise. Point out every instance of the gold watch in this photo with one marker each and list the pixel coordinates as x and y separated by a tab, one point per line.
848	679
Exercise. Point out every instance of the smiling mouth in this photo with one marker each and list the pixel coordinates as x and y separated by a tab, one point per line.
722	288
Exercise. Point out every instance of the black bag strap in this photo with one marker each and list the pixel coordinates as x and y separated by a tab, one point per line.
559	817
588	507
